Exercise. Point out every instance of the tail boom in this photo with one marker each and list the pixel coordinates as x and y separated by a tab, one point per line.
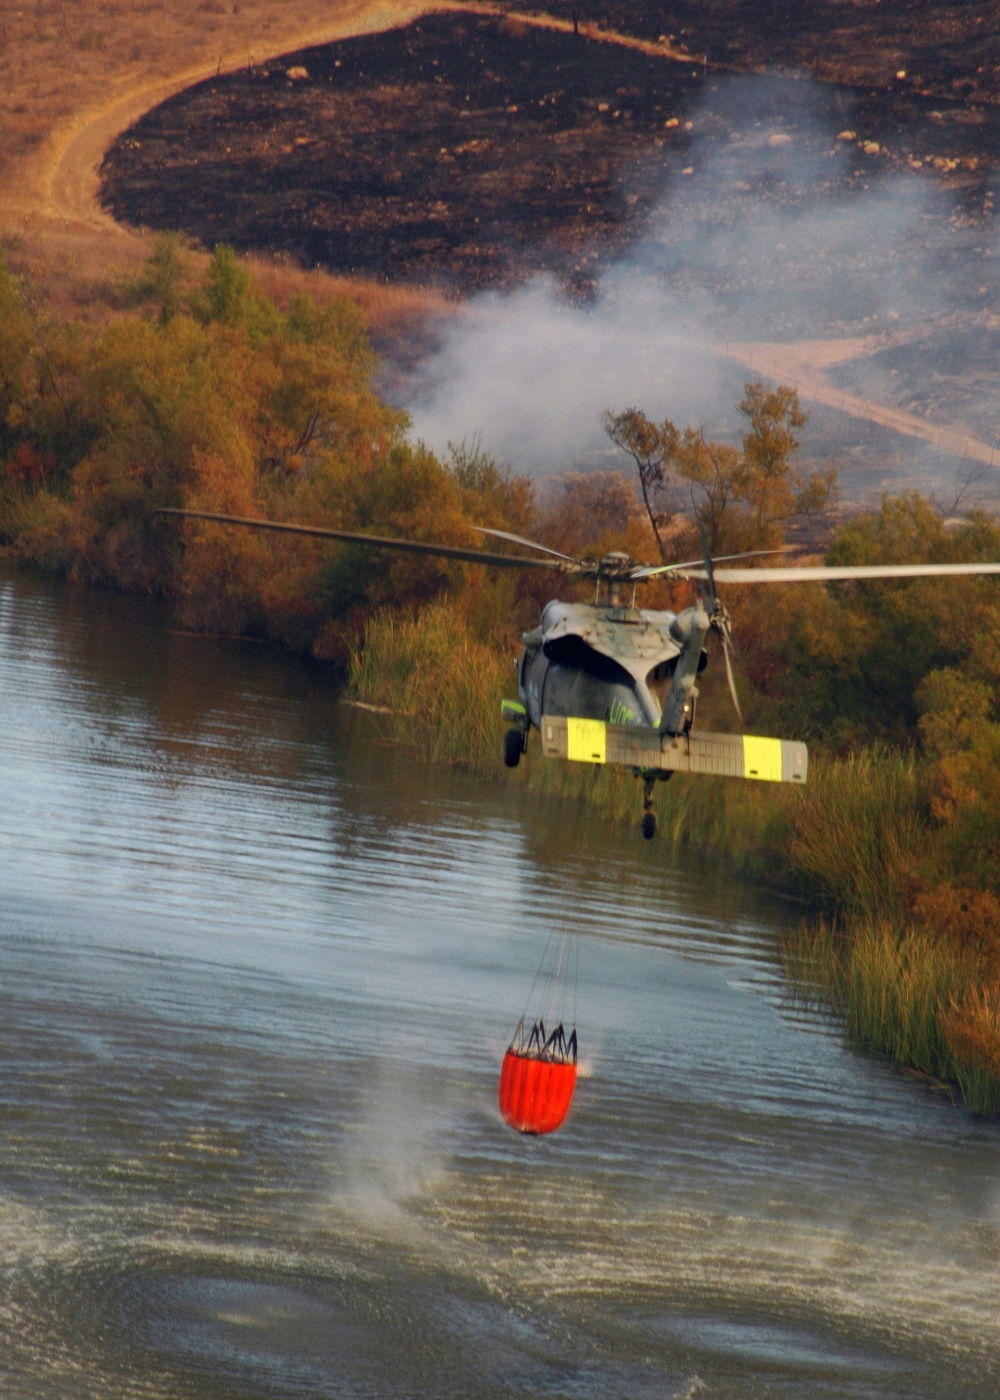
651	750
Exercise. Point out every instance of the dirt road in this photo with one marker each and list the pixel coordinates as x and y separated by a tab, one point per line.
67	174
802	364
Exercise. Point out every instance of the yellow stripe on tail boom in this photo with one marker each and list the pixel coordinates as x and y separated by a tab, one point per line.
639	746
586	740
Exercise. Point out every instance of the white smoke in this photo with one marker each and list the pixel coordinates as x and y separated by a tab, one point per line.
780	232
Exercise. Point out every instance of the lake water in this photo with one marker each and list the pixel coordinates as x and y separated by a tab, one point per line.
257	973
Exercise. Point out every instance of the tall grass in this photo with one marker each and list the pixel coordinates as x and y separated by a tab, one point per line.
972	1026
901	994
390	310
859	832
438	687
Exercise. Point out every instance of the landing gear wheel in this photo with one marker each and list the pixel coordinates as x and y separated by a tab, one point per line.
649	825
513	747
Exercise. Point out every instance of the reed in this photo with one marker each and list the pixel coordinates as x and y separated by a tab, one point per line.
860	831
972	1027
438	688
895	988
901	994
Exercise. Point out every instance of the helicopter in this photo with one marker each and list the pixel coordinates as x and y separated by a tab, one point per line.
609	683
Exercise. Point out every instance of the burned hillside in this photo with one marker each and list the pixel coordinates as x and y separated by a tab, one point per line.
469	152
460	149
903	49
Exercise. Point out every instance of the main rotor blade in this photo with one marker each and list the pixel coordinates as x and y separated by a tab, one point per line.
651	570
443	551
519	539
830	573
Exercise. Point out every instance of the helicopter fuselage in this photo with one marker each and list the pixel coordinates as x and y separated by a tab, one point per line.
599	662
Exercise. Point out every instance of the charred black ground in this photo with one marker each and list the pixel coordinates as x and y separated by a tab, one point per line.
895	50
466	150
458	149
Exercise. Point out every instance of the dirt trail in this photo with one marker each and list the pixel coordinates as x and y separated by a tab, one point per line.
66	175
660	49
802	363
68	178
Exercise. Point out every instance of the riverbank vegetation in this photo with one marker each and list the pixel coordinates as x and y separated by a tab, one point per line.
206	394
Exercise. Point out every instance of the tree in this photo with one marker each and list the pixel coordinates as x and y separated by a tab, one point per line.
712	471
649	445
229	296
590	509
770	488
493	494
848	663
163	277
741	499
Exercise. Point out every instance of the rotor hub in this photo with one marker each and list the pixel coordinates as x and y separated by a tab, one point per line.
616	565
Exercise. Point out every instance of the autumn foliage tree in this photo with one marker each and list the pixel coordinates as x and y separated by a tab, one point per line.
741	497
649	445
847	662
213	398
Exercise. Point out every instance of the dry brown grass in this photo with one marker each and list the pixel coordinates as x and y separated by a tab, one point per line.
80	272
74	272
62	60
73	73
390	309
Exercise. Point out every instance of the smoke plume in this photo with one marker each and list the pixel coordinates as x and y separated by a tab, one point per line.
777	224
